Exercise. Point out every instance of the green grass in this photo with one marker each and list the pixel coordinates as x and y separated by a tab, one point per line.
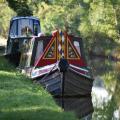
20	99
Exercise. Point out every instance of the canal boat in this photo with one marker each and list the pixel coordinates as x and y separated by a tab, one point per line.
57	62
20	31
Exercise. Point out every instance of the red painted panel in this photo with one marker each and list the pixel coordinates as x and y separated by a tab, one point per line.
78	61
42	61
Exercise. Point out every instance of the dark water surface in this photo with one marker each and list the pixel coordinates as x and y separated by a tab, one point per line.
105	98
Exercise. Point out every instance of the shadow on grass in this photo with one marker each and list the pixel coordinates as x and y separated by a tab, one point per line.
5	65
42	114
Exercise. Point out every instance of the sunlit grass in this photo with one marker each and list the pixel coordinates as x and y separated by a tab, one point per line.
20	99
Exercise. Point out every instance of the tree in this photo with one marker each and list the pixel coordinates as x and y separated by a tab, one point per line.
60	14
21	7
5	15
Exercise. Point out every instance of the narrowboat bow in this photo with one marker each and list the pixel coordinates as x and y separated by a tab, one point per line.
59	65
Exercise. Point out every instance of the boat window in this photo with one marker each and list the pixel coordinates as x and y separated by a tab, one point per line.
36	28
77	45
13	29
39	50
25	27
51	53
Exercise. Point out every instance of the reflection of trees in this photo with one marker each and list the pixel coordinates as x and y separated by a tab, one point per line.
117	93
100	66
115	100
107	112
106	70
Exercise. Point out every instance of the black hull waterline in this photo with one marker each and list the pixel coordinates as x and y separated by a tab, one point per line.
69	83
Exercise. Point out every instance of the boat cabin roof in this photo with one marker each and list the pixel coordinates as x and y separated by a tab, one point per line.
26	17
24	26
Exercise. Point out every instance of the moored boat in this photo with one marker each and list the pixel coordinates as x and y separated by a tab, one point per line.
59	65
21	31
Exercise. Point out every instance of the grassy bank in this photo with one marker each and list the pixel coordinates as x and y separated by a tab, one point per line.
20	99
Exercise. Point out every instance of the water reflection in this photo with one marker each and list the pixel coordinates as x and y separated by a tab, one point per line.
81	106
105	92
100	95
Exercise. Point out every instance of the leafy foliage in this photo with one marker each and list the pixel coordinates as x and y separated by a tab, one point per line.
21	7
5	16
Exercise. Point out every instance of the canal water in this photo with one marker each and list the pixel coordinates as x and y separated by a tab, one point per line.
104	104
106	89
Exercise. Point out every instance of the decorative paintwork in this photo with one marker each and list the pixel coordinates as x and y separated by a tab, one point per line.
60	46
